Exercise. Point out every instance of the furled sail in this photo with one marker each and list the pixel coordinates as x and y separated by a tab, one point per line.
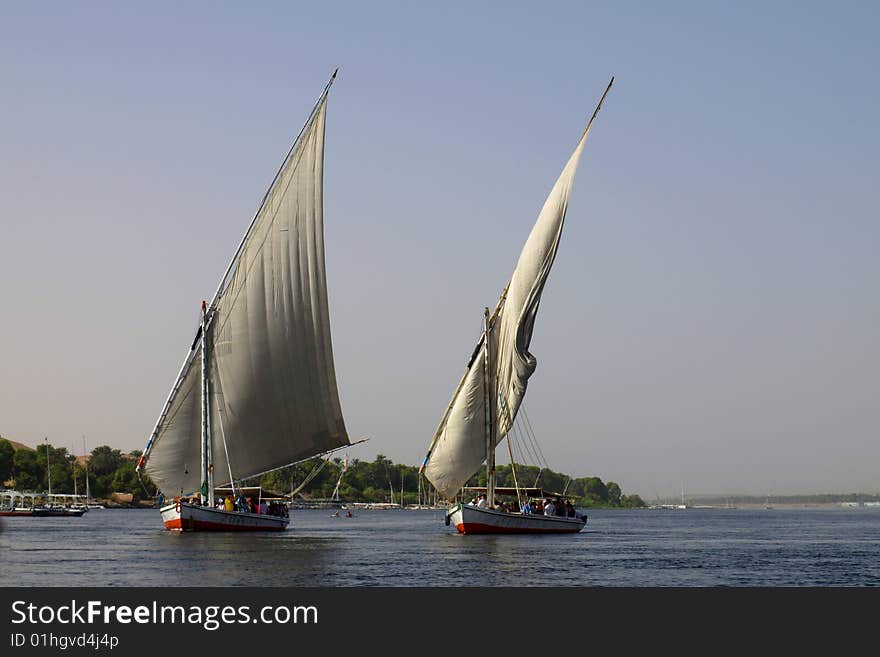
274	398
459	444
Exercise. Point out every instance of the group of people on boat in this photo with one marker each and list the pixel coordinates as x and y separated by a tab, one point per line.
549	506
248	505
243	504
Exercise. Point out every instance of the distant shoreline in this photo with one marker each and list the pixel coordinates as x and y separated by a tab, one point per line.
752	506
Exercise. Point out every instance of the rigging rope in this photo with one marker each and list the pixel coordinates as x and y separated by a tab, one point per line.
543	461
521	437
220	410
513	471
527	448
314	473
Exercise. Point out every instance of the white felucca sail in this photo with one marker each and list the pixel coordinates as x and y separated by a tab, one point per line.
272	398
498	372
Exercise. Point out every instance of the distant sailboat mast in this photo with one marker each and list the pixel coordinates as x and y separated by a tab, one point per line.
86	469
48	471
335	495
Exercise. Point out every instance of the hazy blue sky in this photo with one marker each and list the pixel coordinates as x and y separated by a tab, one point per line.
712	317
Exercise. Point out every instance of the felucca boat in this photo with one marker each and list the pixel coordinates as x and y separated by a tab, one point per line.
485	404
257	390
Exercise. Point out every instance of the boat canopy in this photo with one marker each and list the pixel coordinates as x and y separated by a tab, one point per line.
259	491
511	491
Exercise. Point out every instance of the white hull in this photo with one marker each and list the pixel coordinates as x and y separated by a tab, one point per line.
183	516
469	519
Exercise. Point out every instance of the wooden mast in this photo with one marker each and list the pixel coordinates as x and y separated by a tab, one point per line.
490	414
207	469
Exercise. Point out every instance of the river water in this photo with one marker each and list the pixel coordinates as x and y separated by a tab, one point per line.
403	548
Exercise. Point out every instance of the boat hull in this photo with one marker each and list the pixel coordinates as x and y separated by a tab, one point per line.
469	519
58	512
8	513
186	517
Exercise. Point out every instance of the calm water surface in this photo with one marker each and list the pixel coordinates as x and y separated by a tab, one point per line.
711	547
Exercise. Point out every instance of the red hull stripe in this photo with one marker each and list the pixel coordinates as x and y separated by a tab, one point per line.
203	525
480	528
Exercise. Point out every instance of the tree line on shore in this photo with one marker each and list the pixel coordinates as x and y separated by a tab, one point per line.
381	480
109	471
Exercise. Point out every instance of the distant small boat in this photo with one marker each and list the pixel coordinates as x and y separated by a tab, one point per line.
14	503
58	511
318	503
58	505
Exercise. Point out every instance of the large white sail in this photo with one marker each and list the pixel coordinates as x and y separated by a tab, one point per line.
513	364
274	398
272	355
459	444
